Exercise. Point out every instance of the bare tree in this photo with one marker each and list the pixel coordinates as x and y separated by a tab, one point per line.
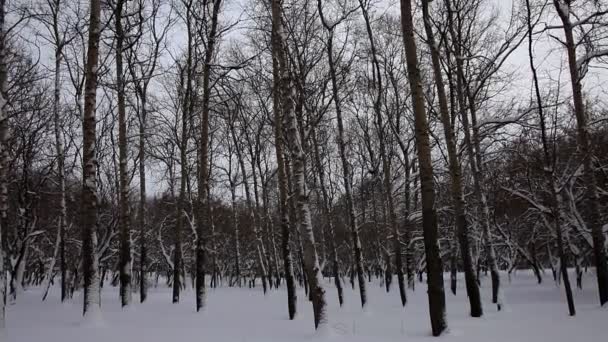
455	171
211	38
564	10
549	166
124	220
294	139
91	304
277	66
143	67
346	168
429	215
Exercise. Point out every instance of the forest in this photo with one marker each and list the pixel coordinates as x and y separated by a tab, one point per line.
316	151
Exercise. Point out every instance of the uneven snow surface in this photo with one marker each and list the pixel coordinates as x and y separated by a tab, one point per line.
533	313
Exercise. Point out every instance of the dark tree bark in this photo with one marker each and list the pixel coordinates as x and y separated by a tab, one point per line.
549	166
346	168
429	215
124	220
455	171
584	142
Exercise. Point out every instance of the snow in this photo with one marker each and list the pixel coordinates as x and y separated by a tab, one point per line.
534	313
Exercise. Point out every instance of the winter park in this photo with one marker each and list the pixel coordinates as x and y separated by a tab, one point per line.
303	170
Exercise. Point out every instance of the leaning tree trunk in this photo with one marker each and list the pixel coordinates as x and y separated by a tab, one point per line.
584	143
310	259
91	303
124	216
48	278
455	172
283	209
434	267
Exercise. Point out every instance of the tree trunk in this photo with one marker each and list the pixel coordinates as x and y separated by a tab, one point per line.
254	219
124	215
48	278
330	219
346	169
584	143
177	253
429	216
386	163
277	32
59	149
310	259
235	227
455	172
203	188
143	248
91	304
549	165
4	133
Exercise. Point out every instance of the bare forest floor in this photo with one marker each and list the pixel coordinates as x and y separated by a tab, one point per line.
532	313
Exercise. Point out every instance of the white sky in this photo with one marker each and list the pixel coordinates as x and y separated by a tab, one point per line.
549	55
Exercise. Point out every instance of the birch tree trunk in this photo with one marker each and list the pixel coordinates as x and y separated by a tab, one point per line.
59	42
309	251
3	165
310	259
429	215
203	216
91	304
277	47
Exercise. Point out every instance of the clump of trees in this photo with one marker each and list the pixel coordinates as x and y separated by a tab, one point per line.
169	143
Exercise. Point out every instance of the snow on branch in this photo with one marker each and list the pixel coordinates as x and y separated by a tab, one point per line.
528	199
159	238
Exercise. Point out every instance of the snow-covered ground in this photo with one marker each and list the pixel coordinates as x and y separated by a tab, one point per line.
533	313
